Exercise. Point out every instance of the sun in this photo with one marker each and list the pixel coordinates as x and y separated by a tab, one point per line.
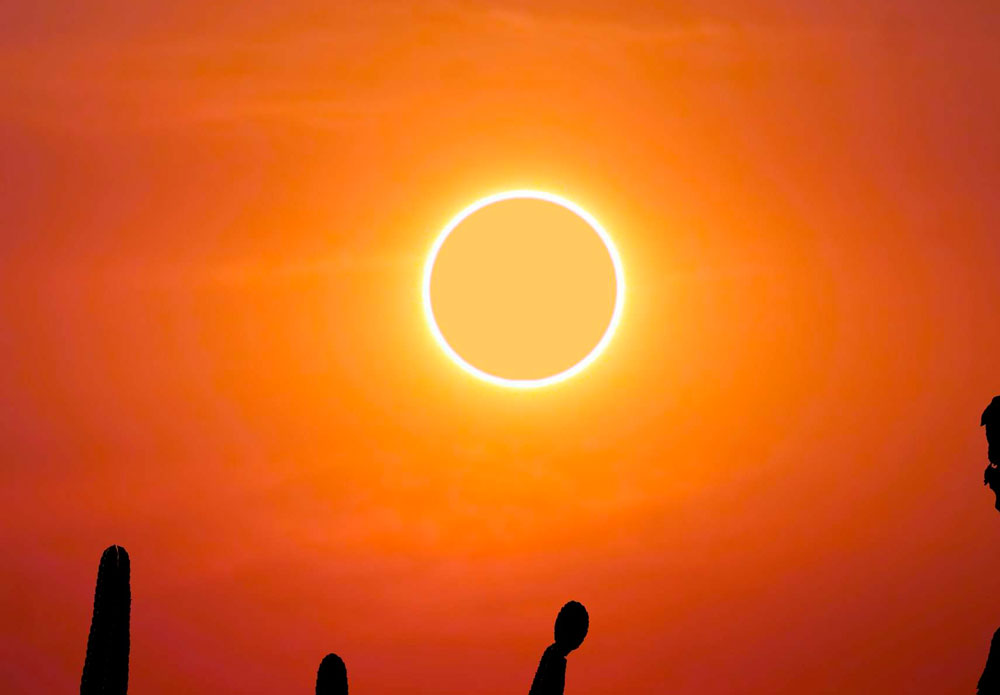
523	289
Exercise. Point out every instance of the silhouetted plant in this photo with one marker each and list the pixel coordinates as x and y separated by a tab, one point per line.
991	421
989	682
332	676
105	671
571	628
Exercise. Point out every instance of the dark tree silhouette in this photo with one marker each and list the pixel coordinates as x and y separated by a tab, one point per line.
571	628
332	676
105	671
991	421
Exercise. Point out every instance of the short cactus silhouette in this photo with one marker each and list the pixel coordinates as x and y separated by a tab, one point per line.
105	671
989	682
571	628
332	676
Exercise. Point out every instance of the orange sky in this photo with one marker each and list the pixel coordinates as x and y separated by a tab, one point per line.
214	217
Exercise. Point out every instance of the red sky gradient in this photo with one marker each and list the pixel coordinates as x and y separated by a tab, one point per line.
213	218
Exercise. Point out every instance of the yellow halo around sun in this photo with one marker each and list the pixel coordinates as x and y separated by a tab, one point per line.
523	289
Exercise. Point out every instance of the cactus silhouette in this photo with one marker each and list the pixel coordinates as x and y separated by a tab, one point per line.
991	421
332	676
571	628
989	682
105	671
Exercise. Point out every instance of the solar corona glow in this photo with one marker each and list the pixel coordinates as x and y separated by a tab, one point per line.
523	289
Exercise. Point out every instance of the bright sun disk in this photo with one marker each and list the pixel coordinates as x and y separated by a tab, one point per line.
523	289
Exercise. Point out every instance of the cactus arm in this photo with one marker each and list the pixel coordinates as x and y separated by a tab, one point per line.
331	679
105	669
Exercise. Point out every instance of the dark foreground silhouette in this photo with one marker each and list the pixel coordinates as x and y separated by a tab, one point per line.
105	670
989	682
991	421
332	676
571	628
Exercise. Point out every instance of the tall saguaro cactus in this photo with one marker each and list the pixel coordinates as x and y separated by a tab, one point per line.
572	625
105	672
332	676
